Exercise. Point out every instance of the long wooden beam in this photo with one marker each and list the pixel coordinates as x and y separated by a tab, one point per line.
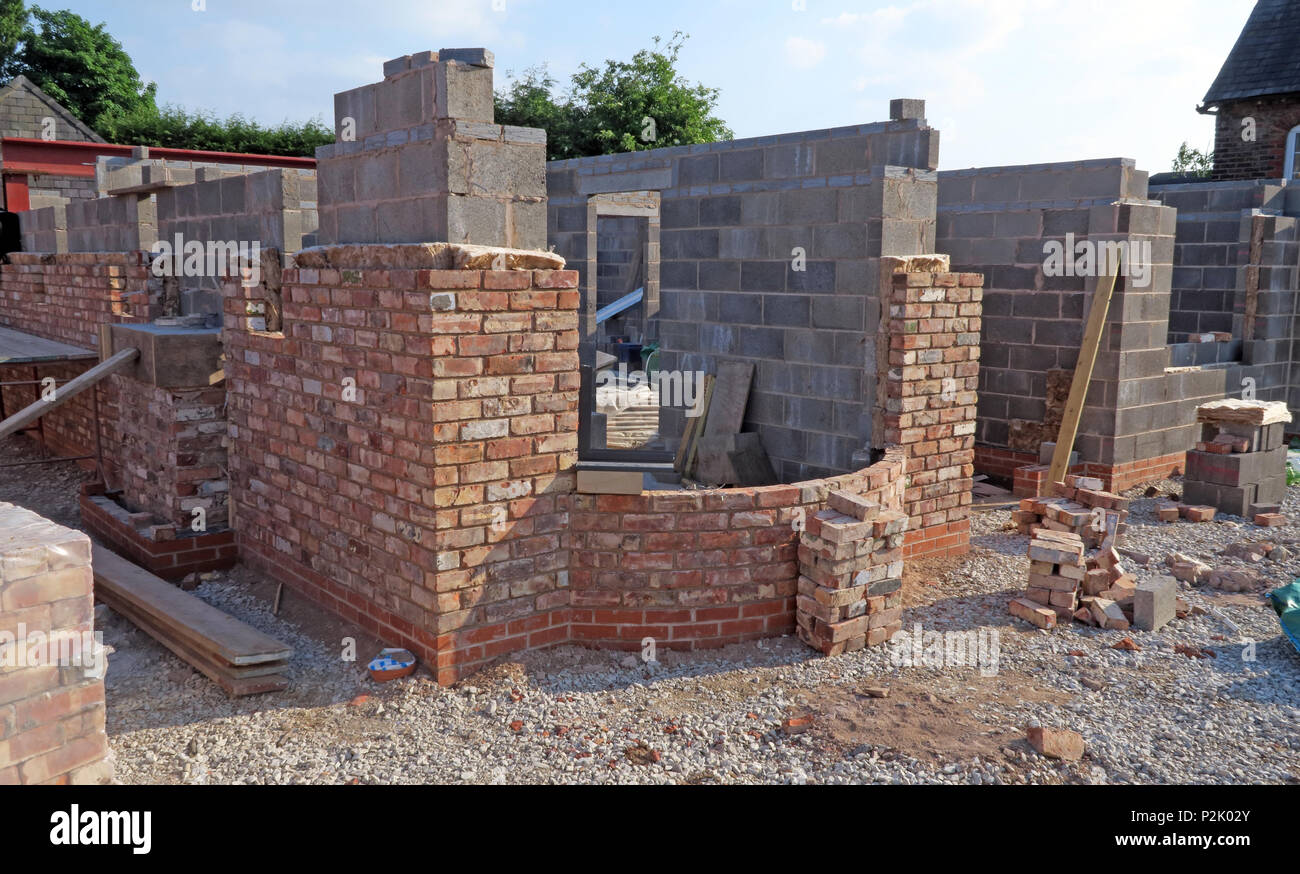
20	420
1082	377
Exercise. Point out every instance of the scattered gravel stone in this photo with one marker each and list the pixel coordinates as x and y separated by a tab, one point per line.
1146	715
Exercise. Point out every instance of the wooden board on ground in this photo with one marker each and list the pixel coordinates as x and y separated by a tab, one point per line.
198	623
730	398
237	682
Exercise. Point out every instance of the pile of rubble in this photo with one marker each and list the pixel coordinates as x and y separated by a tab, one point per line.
851	576
1229	578
1082	507
1076	572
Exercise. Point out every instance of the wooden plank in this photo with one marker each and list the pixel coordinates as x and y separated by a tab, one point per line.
688	436
235	680
730	398
203	626
703	421
21	419
1082	377
19	348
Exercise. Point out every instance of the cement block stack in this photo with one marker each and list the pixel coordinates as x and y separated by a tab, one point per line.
851	576
1239	467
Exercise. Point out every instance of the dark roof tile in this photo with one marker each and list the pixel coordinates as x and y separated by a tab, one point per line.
1266	58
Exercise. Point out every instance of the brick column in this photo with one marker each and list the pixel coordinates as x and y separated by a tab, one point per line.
506	386
51	710
933	326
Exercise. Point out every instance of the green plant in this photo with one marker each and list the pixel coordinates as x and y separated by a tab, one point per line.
622	106
1193	162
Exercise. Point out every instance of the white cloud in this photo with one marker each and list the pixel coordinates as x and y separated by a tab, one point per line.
804	54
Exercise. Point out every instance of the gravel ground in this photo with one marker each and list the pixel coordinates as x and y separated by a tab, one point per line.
577	716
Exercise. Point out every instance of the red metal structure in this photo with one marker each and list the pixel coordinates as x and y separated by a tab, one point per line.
22	157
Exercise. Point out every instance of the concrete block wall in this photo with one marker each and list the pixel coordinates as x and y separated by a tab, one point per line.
45	228
997	221
43	189
1236	270
1211	248
52	714
419	160
276	209
734	217
112	224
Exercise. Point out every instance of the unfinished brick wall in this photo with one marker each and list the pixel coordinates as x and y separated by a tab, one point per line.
702	569
66	298
51	711
426	506
171	452
435	506
929	391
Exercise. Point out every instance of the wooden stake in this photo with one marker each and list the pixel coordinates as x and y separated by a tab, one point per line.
1082	378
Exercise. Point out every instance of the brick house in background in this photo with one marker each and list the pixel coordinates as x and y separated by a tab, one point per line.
1259	81
24	110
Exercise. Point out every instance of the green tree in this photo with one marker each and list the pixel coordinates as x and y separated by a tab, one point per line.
13	21
623	106
528	102
1193	162
80	65
174	127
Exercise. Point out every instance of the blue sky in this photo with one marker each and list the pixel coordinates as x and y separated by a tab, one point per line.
1007	81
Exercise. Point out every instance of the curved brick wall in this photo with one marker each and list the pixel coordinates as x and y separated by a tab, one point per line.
700	569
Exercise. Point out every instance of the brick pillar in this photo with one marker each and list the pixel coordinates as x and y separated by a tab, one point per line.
51	707
506	385
851	576
934	322
173	454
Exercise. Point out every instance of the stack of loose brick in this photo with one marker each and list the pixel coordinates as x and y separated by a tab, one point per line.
1081	503
1239	466
1065	582
851	568
1056	574
1109	591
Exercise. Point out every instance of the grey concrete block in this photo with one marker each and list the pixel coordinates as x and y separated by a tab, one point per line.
904	108
477	57
1155	604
